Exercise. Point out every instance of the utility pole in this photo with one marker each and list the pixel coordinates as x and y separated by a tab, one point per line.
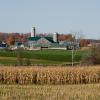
72	44
72	55
75	39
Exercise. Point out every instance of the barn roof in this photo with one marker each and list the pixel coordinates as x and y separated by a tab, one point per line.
49	39
34	38
37	38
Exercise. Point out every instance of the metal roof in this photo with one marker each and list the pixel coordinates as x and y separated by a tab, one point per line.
37	38
34	38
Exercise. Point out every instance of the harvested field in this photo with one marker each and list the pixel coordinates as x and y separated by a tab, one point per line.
50	92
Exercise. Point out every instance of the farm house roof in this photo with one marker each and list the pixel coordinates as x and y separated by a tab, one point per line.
33	38
49	39
37	38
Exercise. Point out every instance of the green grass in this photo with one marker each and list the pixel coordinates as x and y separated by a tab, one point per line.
13	61
50	92
44	57
55	55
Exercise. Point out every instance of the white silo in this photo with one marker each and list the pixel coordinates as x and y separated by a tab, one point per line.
33	32
55	37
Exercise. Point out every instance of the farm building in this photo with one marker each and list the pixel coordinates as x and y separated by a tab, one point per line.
3	45
17	45
41	41
53	41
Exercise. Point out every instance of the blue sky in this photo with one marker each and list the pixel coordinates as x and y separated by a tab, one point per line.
63	16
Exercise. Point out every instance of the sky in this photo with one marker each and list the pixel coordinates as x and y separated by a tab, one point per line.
49	16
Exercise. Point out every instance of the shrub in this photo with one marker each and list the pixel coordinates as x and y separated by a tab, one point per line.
93	57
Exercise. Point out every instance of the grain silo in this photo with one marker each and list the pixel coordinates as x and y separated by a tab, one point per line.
33	32
55	37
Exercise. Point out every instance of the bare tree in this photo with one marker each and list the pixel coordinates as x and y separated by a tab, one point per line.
76	37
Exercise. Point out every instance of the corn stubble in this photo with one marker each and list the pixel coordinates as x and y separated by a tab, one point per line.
49	75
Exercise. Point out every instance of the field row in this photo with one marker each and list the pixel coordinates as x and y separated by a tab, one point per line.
50	92
49	75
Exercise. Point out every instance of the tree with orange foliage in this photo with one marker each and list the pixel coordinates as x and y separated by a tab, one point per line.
68	37
84	42
10	40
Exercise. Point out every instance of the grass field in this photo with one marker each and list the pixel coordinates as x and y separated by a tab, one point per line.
41	57
13	61
50	92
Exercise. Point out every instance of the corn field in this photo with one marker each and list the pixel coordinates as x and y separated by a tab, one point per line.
49	75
